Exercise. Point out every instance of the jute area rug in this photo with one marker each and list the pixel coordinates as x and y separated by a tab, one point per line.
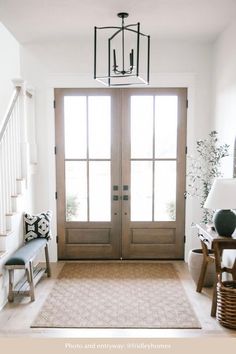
117	295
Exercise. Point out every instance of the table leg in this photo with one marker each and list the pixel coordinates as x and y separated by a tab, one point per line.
214	299
205	261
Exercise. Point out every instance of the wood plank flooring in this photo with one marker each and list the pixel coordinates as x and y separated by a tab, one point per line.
16	318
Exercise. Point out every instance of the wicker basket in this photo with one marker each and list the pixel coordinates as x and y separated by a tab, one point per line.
226	303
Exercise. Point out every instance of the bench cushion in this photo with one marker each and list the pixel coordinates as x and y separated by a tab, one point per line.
26	252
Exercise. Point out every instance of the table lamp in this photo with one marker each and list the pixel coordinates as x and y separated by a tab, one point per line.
222	198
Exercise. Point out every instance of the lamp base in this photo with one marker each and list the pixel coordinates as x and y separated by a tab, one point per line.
225	222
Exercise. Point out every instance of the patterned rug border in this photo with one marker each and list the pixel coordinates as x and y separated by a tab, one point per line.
36	323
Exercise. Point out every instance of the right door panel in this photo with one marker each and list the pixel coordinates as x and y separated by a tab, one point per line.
153	173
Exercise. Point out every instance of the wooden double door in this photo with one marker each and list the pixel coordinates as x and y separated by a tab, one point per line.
120	165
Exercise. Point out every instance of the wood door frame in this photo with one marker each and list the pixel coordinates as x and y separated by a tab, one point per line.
121	244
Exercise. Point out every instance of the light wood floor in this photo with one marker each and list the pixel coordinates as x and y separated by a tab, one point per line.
16	318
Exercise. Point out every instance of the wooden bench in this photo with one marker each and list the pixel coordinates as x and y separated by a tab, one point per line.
23	259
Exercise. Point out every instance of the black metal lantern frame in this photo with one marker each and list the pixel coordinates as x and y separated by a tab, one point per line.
125	70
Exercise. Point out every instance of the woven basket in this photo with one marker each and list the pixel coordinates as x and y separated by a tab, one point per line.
226	303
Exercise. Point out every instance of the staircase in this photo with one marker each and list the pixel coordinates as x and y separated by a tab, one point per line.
15	161
17	164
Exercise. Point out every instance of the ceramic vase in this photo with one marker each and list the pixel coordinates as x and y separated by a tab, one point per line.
194	265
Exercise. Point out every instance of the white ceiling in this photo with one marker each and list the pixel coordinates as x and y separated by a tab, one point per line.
47	20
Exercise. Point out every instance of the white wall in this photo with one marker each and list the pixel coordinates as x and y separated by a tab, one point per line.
224	88
70	64
9	67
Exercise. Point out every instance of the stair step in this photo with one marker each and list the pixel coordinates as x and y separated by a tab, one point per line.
20	185
10	220
6	238
9	240
16	202
6	233
3	254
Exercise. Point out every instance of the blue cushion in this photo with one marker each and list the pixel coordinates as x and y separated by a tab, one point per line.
26	252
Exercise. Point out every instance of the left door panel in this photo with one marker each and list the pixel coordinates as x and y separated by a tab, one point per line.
88	173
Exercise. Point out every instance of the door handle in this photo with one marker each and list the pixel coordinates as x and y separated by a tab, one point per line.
125	197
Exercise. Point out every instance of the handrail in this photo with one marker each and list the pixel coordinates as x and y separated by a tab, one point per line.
9	112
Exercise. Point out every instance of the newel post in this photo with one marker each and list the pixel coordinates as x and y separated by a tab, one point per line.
24	150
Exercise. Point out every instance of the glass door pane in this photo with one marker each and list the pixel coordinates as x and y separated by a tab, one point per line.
75	123
99	191
87	122
99	124
165	191
76	191
141	136
141	191
141	127
166	115
153	157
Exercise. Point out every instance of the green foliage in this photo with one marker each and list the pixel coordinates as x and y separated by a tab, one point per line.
71	207
171	210
204	168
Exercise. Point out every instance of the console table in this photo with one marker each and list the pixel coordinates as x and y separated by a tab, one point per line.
210	240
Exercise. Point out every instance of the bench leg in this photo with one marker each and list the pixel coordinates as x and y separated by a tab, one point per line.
48	269
30	278
11	285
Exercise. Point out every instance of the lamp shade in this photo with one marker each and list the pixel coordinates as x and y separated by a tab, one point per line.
222	194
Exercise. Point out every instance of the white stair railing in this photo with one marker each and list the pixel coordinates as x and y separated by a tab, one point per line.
10	169
13	152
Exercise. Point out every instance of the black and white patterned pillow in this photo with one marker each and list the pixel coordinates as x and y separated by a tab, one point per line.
37	226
